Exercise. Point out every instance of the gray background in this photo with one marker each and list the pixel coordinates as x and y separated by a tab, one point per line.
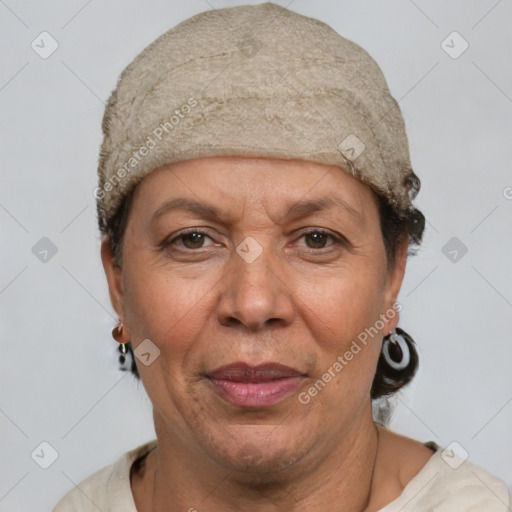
59	381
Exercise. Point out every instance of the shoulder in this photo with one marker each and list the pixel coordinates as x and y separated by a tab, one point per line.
457	484
107	489
442	481
90	494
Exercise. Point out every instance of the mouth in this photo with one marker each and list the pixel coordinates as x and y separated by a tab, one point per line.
255	386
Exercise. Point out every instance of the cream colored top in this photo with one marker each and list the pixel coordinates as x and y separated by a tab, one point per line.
436	488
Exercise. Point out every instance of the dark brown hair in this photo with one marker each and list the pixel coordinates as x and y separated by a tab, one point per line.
395	226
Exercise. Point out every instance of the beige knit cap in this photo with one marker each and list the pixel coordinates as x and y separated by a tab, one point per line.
260	81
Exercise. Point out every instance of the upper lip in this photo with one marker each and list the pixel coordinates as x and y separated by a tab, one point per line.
243	372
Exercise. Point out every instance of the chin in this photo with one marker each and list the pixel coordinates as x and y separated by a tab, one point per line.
257	454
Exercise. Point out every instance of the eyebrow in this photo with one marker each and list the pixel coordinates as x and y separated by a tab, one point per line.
297	210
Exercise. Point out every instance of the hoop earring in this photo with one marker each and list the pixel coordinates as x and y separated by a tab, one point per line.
398	341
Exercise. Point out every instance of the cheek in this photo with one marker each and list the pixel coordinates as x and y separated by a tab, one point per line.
342	306
342	316
167	309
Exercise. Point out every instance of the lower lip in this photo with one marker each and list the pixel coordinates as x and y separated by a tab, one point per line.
261	394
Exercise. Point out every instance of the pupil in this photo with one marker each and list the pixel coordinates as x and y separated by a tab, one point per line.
195	237
318	238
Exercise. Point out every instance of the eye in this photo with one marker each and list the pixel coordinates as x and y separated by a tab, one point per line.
318	237
191	239
194	238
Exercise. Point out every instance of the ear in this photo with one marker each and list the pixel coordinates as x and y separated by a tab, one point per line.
114	276
394	281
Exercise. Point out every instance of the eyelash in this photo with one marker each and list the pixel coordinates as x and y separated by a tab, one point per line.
336	239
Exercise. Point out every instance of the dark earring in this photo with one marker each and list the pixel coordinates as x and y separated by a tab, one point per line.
124	363
117	334
396	342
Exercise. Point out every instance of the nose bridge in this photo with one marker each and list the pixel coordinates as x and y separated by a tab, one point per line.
255	292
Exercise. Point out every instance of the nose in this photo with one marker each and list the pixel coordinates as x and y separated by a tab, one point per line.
255	294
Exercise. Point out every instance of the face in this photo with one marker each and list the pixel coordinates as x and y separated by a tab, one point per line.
253	278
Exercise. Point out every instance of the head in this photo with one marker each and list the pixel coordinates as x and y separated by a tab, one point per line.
264	257
317	281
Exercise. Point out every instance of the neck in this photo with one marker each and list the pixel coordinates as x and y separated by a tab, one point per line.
179	477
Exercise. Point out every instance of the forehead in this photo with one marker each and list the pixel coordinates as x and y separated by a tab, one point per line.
293	187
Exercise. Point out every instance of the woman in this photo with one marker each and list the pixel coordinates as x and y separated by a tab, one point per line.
255	197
